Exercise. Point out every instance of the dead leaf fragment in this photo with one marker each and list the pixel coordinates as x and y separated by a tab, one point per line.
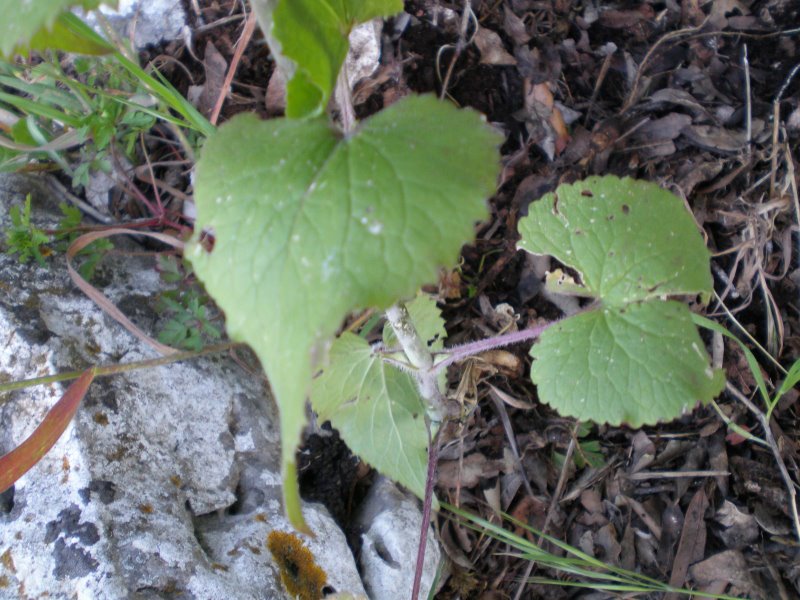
715	139
515	27
216	67
729	566
738	528
491	48
675	97
691	547
275	99
626	19
470	471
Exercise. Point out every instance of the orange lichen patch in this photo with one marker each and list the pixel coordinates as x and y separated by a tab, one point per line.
7	561
300	574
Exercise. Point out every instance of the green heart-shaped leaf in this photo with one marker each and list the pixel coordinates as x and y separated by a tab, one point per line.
309	226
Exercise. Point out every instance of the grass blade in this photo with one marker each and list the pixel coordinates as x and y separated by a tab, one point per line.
22	458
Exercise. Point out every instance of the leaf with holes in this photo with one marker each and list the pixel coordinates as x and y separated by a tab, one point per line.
39	24
308	225
376	407
633	357
310	39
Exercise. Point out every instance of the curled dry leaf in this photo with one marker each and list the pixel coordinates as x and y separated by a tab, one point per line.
99	298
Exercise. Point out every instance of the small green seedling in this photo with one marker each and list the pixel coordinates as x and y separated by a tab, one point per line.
188	325
28	241
23	237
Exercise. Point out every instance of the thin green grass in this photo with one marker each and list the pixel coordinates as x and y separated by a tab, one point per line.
582	570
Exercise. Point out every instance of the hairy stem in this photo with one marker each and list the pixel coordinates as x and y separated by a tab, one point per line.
458	353
420	357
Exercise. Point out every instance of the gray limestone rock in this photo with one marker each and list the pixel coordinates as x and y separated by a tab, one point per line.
390	520
146	22
167	482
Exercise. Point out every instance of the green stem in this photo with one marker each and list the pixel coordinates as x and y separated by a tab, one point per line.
106	370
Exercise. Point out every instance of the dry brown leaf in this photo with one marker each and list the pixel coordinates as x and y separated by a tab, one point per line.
691	547
665	128
275	98
216	67
99	298
675	97
644	452
730	567
738	528
511	400
626	19
515	27
715	139
491	48
467	473
23	458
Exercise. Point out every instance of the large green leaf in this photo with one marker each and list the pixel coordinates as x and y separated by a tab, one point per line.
639	365
632	358
310	39
38	24
308	226
376	407
630	240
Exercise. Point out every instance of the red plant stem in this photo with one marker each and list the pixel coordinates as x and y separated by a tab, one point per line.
244	40
433	458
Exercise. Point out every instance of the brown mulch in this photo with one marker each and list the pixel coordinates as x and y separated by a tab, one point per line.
700	97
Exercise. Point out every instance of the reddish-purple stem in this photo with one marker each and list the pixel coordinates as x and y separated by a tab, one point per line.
457	353
433	457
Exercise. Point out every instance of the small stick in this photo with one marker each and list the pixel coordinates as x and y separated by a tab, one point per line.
748	114
244	40
562	480
776	453
114	369
459	48
640	71
598	84
675	475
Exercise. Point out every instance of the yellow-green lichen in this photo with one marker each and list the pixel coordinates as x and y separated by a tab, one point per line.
300	574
